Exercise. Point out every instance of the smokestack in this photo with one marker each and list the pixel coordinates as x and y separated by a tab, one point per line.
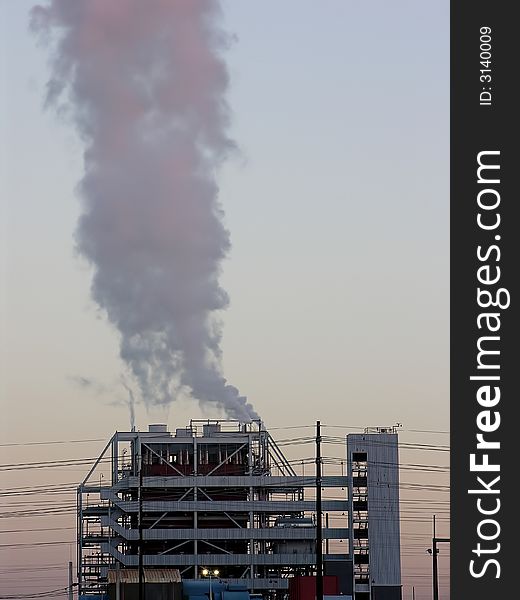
144	84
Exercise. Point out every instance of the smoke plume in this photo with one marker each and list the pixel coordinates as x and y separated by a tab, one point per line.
144	84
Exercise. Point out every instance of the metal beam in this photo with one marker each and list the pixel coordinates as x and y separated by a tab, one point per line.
223	462
272	507
271	482
158	520
169	464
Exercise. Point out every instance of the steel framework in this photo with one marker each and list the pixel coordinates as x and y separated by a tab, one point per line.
214	494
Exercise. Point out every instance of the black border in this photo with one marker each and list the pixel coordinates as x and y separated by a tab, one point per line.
476	128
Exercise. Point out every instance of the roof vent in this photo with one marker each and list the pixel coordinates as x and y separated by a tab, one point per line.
158	428
210	429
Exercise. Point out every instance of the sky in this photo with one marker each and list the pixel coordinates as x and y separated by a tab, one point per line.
337	205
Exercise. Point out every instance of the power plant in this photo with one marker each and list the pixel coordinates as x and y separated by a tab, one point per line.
216	510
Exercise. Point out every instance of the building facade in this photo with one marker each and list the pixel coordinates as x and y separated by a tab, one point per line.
216	495
374	532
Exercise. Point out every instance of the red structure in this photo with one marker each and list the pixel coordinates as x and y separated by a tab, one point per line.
304	587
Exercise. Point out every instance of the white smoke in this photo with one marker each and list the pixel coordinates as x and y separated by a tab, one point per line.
131	404
144	83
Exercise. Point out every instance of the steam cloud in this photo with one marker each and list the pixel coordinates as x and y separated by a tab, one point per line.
144	84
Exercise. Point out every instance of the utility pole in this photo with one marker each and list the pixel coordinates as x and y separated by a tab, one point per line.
434	552
413	592
118	582
140	523
326	539
435	567
70	581
319	532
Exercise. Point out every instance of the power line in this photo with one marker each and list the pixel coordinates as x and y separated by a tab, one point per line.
282	428
34	530
48	443
50	463
32	544
45	594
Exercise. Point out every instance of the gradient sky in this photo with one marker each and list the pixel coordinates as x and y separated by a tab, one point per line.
338	210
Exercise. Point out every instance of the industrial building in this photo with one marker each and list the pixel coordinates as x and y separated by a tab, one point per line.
374	534
219	498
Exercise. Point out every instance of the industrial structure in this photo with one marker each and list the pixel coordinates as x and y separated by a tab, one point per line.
373	467
219	497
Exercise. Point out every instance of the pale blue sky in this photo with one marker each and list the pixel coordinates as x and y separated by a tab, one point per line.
337	206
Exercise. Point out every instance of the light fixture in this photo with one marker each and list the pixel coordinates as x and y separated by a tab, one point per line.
210	574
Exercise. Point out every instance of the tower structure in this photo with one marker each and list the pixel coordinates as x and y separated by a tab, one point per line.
374	532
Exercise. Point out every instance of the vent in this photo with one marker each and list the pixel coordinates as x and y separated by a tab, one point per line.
158	428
